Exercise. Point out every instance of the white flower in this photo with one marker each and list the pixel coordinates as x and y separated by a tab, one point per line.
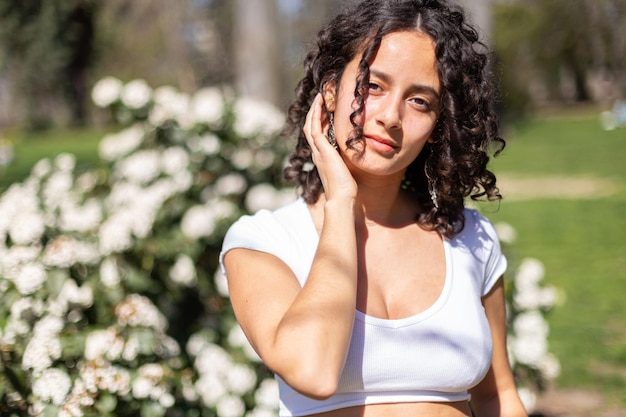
242	158
42	168
109	274
210	388
529	273
263	159
308	166
86	182
221	283
131	349
208	144
261	412
267	394
152	371
169	104
166	400
195	343
52	385
529	349
65	162
530	322
73	294
26	308
549	366
136	94
240	379
535	298
174	160
106	91
100	375
13	329
183	271
197	222
57	188
136	310
115	145
27	227
123	194
30	278
230	184
256	117
506	232
548	297
74	218
104	343
236	337
115	234
188	389
529	399
140	167
15	258
142	387
48	327
64	251
527	298
266	196
213	360
207	106
230	406
167	347
40	353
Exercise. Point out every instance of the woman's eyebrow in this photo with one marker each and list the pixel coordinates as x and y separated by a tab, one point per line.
422	88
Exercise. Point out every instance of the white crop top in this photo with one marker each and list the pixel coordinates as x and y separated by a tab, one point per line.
436	355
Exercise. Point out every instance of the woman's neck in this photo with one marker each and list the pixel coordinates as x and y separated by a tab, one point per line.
383	202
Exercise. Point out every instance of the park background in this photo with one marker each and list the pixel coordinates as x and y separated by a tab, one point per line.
153	294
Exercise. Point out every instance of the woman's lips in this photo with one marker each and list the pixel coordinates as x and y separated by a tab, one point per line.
381	144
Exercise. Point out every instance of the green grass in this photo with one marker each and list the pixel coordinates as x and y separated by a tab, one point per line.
30	147
581	242
568	146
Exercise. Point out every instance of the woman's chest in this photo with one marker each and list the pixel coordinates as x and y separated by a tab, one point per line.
400	277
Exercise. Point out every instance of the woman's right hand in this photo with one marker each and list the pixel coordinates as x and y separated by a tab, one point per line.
337	180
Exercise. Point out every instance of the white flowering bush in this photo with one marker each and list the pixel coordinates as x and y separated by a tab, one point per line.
528	303
111	298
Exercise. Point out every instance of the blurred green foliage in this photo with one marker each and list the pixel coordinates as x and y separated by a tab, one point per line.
47	48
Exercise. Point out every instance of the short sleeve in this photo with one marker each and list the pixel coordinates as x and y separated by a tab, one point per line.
251	232
495	261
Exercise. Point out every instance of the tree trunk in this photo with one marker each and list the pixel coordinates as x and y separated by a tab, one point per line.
256	49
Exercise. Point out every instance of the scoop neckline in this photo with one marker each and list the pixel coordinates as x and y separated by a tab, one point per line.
403	321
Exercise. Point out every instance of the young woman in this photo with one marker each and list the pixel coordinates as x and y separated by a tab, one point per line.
377	293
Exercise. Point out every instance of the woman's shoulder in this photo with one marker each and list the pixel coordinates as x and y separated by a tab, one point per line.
477	228
266	226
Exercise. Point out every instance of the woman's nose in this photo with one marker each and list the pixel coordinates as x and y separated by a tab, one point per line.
390	113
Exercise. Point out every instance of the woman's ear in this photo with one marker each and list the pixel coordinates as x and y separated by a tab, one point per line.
329	94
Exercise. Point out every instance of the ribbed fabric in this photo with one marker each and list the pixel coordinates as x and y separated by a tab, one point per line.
435	355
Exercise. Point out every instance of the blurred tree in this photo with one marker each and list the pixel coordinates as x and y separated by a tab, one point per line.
148	39
556	50
256	49
47	48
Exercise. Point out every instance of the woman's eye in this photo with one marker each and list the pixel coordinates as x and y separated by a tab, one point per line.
373	87
421	103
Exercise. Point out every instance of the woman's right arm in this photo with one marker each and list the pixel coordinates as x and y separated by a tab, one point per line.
303	333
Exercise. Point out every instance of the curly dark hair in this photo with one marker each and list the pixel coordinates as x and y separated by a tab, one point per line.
466	131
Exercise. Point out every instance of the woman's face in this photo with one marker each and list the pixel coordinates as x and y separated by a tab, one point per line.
401	105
